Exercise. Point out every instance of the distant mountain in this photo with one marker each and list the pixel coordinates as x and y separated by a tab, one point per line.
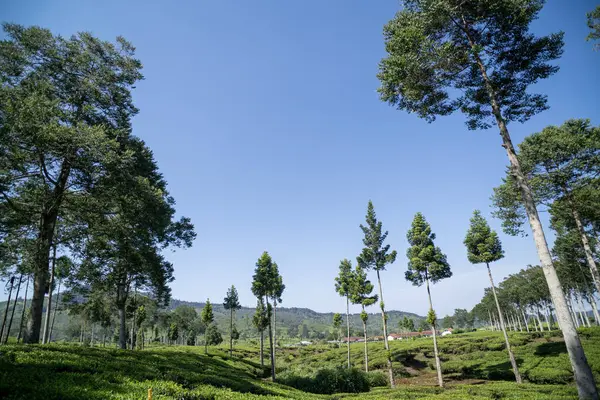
292	322
292	319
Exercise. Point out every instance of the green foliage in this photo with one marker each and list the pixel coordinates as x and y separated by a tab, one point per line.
337	320
593	22
436	50
431	317
213	336
266	281
207	315
425	261
375	255
345	278
483	244
328	381
361	289
231	301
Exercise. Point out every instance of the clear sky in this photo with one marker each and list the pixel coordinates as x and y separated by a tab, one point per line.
264	118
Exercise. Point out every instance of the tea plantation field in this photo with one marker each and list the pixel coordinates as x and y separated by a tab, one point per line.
475	367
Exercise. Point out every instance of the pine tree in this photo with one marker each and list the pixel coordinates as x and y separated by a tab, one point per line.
343	286
375	255
231	303
361	290
484	246
426	263
337	323
267	284
207	318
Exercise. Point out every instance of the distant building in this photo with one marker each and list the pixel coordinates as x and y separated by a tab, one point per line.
352	339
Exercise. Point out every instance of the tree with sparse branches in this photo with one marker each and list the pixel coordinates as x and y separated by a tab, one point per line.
260	320
231	303
361	290
484	246
207	318
426	263
337	323
343	286
479	57
593	22
375	255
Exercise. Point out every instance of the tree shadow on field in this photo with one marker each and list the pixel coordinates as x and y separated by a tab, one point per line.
70	372
550	349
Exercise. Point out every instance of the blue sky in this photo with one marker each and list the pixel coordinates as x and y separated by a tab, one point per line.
264	118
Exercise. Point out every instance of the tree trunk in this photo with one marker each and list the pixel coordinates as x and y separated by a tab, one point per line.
518	320
582	311
12	315
23	311
573	312
231	333
547	321
12	284
491	321
122	328
438	365
271	354
385	338
55	310
262	359
348	327
366	347
584	377
525	320
511	356
49	305
273	359
589	255
537	316
592	302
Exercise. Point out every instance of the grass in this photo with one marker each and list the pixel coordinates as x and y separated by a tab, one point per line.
475	366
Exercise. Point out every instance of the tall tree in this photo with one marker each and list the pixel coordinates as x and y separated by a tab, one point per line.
484	55
558	162
361	290
337	323
65	103
207	318
375	255
426	263
260	320
484	246
231	303
343	286
268	285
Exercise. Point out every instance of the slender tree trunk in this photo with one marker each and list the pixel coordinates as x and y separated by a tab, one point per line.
537	328
271	354
573	313
511	356
589	254
491	321
584	377
547	321
23	311
537	315
366	347
594	309
518	320
262	359
12	284
12	315
55	310
525	320
273	358
49	305
438	365
582	311
348	327
385	338
231	333
122	328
